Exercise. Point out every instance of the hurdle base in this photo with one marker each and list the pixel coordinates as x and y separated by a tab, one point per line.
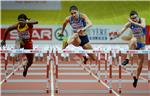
119	90
90	73
105	81
110	91
5	80
56	91
47	91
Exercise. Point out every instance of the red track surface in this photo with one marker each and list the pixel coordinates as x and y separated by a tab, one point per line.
71	85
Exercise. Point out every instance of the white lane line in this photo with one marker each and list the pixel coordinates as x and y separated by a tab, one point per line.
34	65
98	79
10	74
101	81
126	71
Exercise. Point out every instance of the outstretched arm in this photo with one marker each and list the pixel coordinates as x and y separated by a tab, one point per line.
64	25
114	35
126	26
6	33
8	30
31	22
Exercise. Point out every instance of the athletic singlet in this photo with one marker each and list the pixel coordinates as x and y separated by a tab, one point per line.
77	24
24	33
138	32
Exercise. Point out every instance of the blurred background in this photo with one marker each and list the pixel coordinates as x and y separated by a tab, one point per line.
106	16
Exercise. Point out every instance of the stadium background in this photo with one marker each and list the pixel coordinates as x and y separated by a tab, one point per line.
106	16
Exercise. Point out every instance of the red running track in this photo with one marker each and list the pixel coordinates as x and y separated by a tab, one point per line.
74	81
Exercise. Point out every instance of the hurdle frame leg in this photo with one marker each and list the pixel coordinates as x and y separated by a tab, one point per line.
131	58
120	74
106	58
6	63
56	78
47	73
110	72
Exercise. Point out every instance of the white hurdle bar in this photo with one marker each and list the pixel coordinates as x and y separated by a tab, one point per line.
76	51
22	51
110	61
85	51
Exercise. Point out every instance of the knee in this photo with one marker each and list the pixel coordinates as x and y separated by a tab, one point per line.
77	44
132	43
140	66
75	35
141	58
141	61
30	60
133	40
93	58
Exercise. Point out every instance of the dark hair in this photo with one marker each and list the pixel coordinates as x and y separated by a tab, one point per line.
22	16
73	8
133	13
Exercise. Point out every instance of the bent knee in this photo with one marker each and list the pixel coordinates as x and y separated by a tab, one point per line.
133	40
75	35
92	56
30	61
77	44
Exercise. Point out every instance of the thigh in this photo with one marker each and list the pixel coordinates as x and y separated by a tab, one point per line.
74	39
141	56
77	42
28	44
87	46
133	43
29	57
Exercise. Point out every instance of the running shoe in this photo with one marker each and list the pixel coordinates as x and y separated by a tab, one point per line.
125	62
64	43
85	60
135	81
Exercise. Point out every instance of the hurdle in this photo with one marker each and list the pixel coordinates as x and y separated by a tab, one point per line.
110	62
7	76
53	62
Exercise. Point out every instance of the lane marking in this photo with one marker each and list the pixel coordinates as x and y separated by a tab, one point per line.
113	91
10	74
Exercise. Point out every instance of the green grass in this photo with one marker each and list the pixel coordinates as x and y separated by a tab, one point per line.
100	12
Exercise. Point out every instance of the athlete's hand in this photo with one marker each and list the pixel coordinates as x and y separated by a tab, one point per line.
60	34
113	35
3	43
80	30
28	19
